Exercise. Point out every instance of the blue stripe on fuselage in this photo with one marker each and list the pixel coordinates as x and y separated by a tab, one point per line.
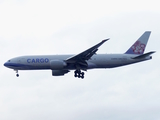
25	67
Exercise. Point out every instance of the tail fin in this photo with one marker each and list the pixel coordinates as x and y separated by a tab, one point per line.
139	46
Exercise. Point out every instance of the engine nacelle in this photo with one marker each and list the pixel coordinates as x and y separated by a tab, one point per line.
57	64
59	72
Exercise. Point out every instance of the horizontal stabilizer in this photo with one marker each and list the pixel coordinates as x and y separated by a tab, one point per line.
144	55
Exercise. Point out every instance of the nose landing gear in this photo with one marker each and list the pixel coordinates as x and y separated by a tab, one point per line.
79	74
17	73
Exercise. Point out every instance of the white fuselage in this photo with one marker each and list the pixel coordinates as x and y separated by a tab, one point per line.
96	61
88	59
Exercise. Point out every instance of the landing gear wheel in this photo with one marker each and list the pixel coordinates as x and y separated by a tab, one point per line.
17	75
75	75
79	74
82	75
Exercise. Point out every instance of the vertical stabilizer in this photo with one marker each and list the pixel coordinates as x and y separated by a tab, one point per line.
139	46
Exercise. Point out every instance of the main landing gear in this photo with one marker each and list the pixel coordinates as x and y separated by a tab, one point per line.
79	74
17	73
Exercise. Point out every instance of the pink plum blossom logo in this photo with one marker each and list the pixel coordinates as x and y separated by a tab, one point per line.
138	47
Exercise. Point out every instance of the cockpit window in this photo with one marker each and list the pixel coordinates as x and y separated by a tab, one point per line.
9	60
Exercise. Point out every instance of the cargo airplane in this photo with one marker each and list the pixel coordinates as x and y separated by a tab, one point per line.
88	59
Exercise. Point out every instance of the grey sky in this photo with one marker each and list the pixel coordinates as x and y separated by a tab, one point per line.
64	27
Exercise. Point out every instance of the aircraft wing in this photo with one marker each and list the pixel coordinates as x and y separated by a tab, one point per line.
85	55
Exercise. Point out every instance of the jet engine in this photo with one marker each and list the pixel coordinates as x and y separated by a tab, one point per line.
59	72
57	64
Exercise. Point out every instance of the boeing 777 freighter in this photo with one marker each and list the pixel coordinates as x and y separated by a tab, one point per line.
62	64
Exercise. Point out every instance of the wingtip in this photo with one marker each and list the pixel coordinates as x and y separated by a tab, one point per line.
153	51
105	40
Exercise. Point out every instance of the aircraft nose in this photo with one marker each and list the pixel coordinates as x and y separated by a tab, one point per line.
5	64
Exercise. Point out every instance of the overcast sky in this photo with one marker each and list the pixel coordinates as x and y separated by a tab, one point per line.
34	27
